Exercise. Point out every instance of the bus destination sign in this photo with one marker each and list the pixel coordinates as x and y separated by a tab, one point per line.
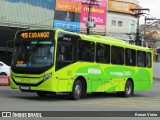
33	34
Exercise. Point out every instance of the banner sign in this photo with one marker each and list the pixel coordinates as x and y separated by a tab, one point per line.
67	25
73	14
98	13
68	5
123	7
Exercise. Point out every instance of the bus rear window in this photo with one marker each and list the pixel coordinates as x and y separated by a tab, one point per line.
149	60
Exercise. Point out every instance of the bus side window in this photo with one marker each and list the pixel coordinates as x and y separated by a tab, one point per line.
65	53
81	54
89	49
117	55
61	50
141	58
86	51
130	57
102	53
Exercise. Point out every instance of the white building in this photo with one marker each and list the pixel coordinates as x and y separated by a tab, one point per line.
121	21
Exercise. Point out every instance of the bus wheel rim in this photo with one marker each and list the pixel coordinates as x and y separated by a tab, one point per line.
77	90
128	89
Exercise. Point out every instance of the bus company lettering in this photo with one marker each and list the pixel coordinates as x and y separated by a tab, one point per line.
94	71
124	73
35	35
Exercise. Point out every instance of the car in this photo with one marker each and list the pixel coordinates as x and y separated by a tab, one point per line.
4	69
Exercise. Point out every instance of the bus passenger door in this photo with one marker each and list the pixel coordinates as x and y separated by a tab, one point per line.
65	57
63	60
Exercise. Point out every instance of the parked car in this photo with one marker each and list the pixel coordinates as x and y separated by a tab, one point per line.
4	69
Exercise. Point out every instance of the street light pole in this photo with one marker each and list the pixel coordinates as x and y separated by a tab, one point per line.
89	23
89	13
137	40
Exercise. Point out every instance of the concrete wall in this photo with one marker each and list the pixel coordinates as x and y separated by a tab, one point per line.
156	70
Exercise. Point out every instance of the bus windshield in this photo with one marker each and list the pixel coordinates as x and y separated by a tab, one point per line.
37	53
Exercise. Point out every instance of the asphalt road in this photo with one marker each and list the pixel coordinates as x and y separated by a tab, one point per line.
15	100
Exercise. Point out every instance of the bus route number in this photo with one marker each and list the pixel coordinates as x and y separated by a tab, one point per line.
35	34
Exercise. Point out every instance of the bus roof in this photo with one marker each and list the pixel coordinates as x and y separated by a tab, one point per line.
100	39
112	41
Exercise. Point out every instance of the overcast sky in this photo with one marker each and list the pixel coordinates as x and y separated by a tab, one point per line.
153	5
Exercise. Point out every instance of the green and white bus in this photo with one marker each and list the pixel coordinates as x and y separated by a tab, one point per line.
51	61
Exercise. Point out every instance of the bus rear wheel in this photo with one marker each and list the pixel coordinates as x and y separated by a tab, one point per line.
77	90
128	90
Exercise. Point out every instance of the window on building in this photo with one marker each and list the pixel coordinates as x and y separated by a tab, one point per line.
117	55
86	51
141	58
102	53
130	57
132	26
113	22
119	23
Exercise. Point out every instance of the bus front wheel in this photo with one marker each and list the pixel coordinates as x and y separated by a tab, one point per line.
77	90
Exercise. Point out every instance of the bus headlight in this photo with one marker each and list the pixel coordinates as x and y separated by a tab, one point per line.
47	76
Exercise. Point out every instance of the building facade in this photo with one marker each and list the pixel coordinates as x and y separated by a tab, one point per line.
110	16
70	15
121	20
113	17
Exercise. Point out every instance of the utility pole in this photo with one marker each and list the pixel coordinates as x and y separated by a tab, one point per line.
138	14
89	13
89	23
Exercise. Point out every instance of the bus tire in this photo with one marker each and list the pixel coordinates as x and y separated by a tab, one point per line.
77	90
128	89
41	93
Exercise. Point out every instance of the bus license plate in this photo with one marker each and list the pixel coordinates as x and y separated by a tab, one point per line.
25	87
